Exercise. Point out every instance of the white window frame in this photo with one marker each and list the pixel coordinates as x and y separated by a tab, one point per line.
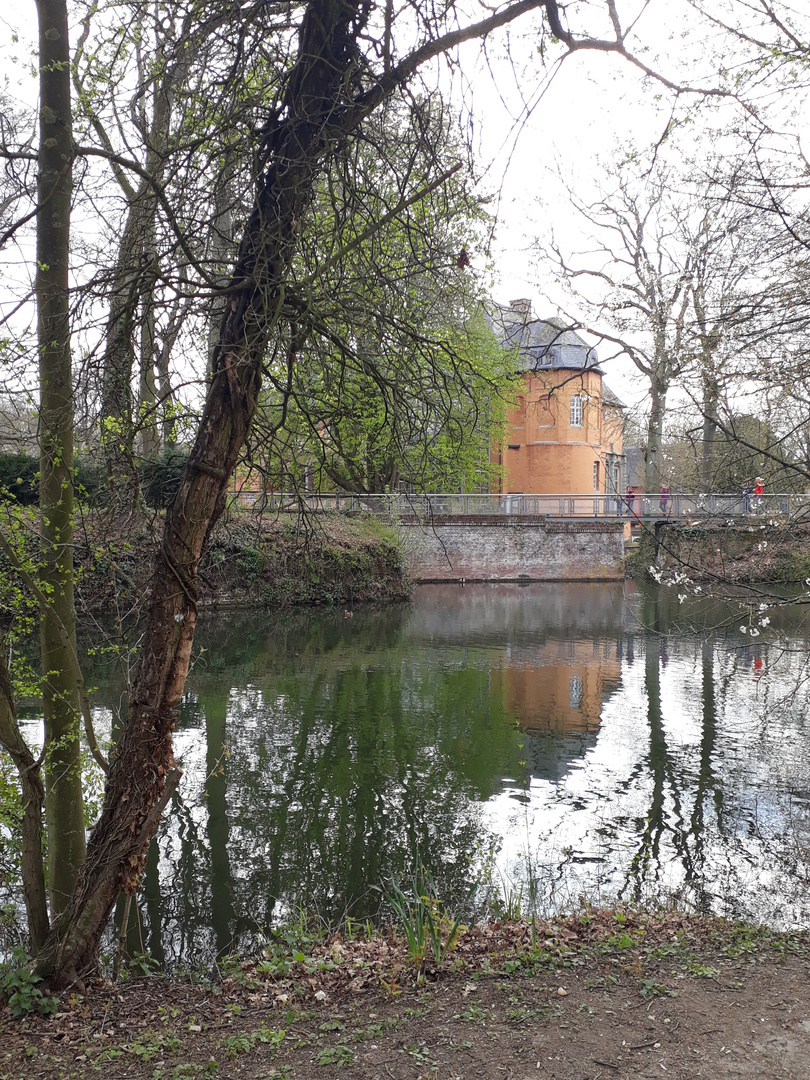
577	414
596	476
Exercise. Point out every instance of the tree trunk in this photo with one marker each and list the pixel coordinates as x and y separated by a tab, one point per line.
33	798
711	397
63	804
222	249
653	457
132	292
126	290
147	395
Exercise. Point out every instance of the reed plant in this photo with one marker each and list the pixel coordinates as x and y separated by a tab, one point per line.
430	930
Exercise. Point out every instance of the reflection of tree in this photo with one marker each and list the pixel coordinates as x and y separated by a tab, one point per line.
659	766
707	783
358	770
349	752
152	904
215	708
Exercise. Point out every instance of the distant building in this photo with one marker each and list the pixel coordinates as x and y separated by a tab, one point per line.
564	435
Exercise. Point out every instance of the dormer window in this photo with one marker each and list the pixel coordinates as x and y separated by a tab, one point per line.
577	410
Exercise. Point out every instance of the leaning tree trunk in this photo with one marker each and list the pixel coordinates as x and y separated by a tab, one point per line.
143	761
63	805
318	110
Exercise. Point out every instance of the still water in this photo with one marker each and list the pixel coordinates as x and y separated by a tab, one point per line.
556	741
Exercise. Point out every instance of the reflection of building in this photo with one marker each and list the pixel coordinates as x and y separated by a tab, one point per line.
565	433
556	696
561	690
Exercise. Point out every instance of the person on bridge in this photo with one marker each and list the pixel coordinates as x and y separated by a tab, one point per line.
747	492
630	498
759	487
663	502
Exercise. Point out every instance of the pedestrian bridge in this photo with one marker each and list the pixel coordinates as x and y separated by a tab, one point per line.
403	506
522	538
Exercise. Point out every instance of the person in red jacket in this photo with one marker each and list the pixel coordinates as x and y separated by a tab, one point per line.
759	487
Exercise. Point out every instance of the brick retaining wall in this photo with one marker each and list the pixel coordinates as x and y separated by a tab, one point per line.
506	548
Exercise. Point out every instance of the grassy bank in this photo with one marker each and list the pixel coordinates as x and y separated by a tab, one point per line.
597	993
253	561
763	551
278	563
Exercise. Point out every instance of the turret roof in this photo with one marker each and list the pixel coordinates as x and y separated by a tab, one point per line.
541	344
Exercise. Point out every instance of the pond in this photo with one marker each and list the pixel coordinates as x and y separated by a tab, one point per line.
554	743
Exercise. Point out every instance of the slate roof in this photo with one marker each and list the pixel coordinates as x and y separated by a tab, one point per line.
609	398
541	344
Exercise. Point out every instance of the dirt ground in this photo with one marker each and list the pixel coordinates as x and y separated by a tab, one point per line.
641	997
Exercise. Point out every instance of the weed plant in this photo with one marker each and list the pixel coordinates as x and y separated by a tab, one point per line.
18	985
430	930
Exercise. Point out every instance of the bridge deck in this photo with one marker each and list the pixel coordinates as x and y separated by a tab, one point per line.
640	508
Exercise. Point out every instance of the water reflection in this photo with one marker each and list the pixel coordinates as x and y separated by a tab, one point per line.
592	740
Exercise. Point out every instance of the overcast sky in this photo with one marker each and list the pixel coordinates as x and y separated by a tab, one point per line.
525	121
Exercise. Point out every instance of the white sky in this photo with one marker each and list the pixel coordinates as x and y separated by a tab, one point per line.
593	104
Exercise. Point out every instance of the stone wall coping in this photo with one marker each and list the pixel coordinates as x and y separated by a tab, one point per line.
519	521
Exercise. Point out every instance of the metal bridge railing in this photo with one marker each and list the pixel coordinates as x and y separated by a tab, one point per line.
402	505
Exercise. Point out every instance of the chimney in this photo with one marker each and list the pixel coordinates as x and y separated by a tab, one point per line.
522	308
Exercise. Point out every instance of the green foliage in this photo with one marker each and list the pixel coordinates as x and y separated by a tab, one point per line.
19	479
247	1040
428	926
652	988
391	375
702	970
139	965
290	945
151	1044
18	985
341	1056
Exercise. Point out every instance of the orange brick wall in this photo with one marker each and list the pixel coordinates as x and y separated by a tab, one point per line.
552	456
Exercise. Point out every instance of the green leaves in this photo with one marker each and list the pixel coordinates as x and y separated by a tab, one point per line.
428	926
18	985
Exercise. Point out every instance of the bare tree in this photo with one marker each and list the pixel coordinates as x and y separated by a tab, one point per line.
644	278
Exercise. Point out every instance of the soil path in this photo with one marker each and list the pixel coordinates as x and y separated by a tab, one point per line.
738	1008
